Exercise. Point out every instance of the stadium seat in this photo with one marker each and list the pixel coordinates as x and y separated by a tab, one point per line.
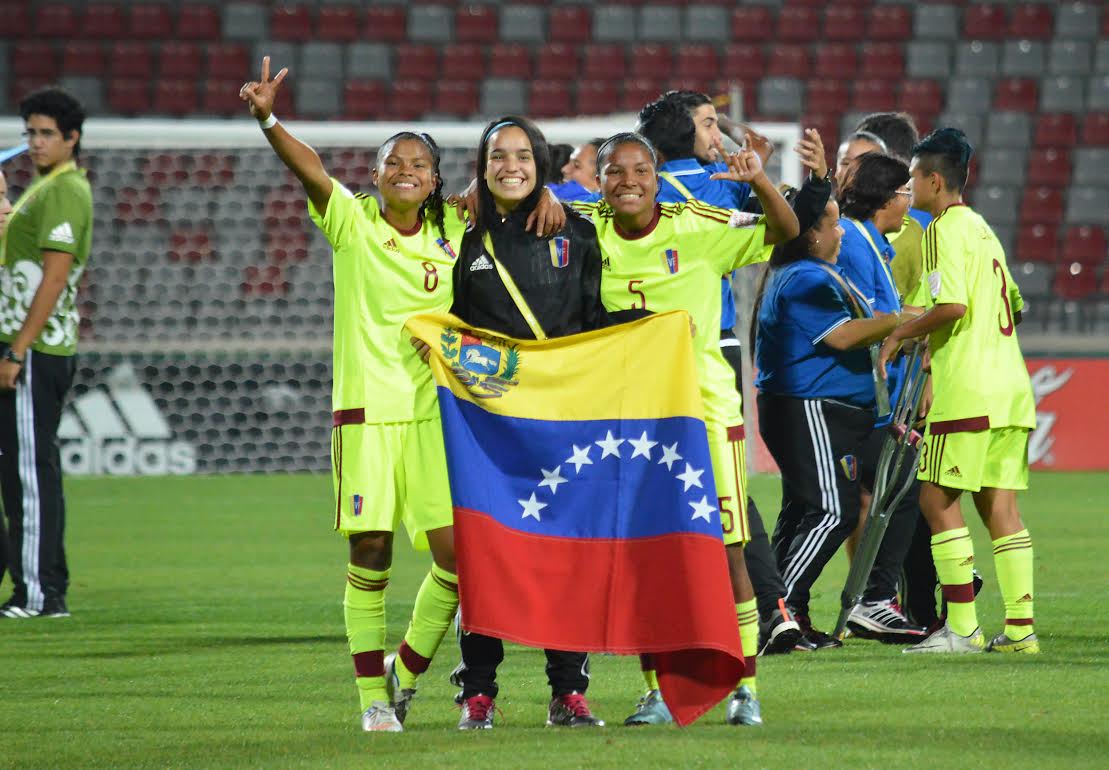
509	60
1075	282
843	23
1031	22
969	95
560	60
889	23
826	95
457	98
181	60
1023	59
743	60
476	24
1050	167
1095	129
503	96
175	97
705	23
873	95
1101	56
652	61
149	22
430	23
338	23
416	62
1088	206
977	58
997	204
882	60
363	99
88	90
1062	94
523	24
638	92
1034	279
596	97
781	96
1041	205
55	21
613	23
659	23
788	61
1085	244
1008	129
130	60
972	125
569	24
286	245
920	97
697	61
797	24
1004	166
264	281
1097	97
936	22
835	60
229	60
245	21
17	20
751	24
320	61
198	22
129	96
601	61
1055	131
1070	57
291	22
81	58
985	22
387	23
318	98
369	61
1037	243
463	60
928	59
409	99
549	99
1077	21
1016	95
221	97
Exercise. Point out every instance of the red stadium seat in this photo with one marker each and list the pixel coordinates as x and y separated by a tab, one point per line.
1042	205
1075	281
549	99
889	22
1016	95
699	85
55	21
697	61
476	24
1085	244
221	97
388	23
596	97
652	61
569	24
602	61
985	22
1050	167
149	22
748	86
836	60
463	60
81	58
1095	128
35	60
743	61
338	23
102	21
843	23
1037	243
129	96
137	205
130	60
198	22
560	60
291	22
920	97
752	24
510	60
417	62
286	244
363	99
456	97
826	95
788	61
827	124
1057	130
873	95
409	99
637	93
175	97
882	60
17	20
797	25
264	281
180	60
230	60
1033	22
211	170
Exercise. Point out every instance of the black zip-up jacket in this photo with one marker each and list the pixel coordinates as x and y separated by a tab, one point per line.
565	300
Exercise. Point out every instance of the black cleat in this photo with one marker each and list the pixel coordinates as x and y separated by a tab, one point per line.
885	622
571	710
779	633
815	638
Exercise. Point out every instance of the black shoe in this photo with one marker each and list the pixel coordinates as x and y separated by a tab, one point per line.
779	632
884	621
571	710
816	639
51	608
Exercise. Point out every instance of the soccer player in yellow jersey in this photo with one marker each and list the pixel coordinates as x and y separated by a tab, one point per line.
392	260
983	409
671	256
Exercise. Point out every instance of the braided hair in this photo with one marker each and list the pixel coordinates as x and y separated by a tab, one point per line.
433	206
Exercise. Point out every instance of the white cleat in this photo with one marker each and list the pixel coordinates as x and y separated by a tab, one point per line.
380	718
947	641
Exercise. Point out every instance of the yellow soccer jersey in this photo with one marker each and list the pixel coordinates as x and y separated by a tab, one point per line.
979	375
906	265
676	264
383	277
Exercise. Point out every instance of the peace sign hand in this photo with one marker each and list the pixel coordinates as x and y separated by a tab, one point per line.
261	94
743	166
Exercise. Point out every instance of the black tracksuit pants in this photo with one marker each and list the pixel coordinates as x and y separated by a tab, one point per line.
816	443
567	672
31	479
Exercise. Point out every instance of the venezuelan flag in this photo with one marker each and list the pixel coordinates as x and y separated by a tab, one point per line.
585	512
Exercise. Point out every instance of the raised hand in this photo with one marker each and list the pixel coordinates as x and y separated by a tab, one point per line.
260	94
743	166
811	151
753	140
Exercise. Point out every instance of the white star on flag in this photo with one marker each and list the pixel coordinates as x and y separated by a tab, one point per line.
610	446
702	509
532	507
691	477
642	446
552	479
580	457
670	455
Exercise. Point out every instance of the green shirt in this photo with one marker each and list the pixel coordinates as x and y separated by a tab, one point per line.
383	277
53	214
977	367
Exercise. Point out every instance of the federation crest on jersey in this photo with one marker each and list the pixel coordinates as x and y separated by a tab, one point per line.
670	260
560	251
486	367
356	504
445	245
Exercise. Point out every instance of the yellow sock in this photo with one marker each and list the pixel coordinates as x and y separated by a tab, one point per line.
651	678
747	613
435	606
1012	557
364	611
953	554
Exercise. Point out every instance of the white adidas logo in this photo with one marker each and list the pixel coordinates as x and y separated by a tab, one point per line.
481	263
117	430
63	233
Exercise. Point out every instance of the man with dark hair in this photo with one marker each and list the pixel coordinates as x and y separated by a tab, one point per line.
43	252
579	174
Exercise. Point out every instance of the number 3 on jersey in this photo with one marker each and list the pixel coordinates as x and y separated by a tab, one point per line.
1006	325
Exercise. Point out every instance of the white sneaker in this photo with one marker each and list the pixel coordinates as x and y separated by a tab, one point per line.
380	718
946	640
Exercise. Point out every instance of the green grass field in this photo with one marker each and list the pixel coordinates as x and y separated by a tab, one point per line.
207	631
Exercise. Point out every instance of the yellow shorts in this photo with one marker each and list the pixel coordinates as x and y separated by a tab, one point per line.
729	470
996	458
388	473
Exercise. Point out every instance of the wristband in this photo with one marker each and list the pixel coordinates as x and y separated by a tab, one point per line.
269	122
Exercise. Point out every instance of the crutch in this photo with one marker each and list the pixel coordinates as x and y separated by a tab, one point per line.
900	446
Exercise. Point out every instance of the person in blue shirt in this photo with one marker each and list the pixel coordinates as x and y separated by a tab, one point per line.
816	401
579	175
